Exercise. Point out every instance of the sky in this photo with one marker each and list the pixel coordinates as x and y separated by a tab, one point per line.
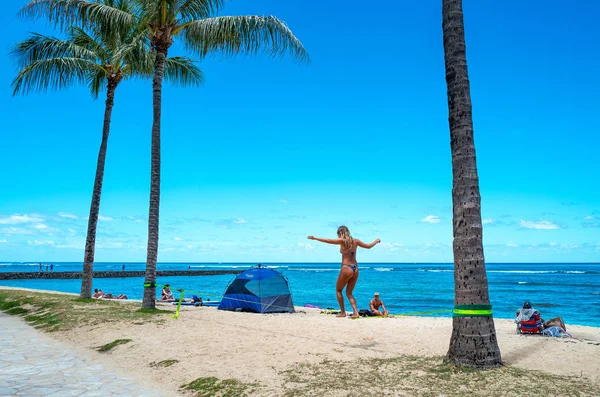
270	151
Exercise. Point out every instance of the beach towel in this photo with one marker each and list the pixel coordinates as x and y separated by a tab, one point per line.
557	332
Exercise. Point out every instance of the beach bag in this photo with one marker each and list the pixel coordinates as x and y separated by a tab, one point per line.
365	313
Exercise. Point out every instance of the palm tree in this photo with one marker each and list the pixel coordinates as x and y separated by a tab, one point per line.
101	62
195	23
473	342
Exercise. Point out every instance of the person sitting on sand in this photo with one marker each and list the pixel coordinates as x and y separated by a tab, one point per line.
375	304
349	272
166	295
527	312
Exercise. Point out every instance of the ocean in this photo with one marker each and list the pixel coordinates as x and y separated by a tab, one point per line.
570	290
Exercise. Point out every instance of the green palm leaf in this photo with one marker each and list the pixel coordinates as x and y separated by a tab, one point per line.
110	16
38	47
243	34
182	71
53	73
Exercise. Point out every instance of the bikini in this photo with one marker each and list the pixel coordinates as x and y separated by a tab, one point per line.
352	253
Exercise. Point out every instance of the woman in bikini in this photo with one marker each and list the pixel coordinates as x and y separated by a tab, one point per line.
349	272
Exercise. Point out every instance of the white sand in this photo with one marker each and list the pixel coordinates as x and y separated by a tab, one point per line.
252	347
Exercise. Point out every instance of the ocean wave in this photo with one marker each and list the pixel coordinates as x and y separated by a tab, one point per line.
302	269
436	270
524	271
383	269
575	272
522	282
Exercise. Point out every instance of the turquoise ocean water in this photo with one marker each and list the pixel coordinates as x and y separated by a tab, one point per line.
570	290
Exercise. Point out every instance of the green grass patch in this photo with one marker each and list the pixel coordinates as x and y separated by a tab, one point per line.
164	363
113	344
211	386
425	376
56	312
17	311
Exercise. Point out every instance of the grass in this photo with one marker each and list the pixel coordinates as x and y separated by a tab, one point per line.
113	344
425	376
215	387
164	363
56	312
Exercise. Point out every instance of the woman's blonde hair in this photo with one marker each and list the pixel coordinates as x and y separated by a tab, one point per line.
344	234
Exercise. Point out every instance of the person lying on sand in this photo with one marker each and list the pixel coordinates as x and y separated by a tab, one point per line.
349	272
167	295
97	294
375	304
111	296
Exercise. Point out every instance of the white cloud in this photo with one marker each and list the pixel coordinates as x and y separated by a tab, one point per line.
393	246
3	241
306	245
69	246
512	244
239	221
40	226
177	239
283	201
431	219
17	219
14	230
67	215
539	225
487	221
554	243
40	242
589	218
104	218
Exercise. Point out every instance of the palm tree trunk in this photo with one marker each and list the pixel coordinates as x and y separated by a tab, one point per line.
473	342
90	241
149	301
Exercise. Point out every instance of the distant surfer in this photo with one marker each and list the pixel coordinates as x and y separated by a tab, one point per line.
349	272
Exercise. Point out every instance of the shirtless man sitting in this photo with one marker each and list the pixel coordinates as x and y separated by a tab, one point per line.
375	304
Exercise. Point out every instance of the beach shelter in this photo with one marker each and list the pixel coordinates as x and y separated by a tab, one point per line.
259	289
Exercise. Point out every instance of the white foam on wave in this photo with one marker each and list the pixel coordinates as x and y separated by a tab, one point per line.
383	269
575	272
523	271
522	282
436	270
303	269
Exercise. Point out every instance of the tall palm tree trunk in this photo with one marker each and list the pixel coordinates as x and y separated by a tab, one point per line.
473	342
90	241
149	301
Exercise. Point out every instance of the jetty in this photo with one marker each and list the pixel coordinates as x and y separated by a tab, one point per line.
110	274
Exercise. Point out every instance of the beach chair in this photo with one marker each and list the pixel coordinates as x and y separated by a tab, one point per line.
534	325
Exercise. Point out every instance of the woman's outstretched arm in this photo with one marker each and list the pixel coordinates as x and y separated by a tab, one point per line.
337	241
367	246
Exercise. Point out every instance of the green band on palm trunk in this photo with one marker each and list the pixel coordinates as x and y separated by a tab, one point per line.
150	285
472	311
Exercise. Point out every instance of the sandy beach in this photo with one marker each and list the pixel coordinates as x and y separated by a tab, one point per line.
260	348
252	347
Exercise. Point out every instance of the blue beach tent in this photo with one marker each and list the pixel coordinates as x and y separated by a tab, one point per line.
260	290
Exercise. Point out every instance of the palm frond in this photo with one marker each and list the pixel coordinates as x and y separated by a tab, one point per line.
93	43
65	13
38	47
243	34
189	10
183	71
52	73
97	82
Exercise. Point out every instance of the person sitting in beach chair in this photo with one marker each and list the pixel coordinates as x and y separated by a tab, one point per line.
375	304
529	321
167	295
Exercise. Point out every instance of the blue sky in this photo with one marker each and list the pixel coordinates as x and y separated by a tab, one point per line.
270	151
